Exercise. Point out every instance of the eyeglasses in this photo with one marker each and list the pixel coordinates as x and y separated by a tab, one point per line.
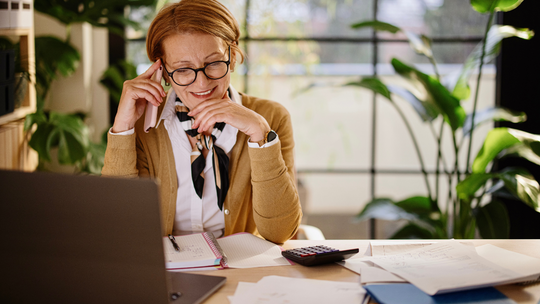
186	76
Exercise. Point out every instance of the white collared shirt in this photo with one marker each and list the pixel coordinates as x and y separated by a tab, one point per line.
194	214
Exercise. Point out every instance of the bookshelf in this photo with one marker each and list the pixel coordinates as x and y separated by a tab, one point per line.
15	154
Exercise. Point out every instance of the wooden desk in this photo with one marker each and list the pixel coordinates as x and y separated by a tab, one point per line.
333	272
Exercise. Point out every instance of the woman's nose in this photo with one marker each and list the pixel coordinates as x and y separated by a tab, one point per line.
201	79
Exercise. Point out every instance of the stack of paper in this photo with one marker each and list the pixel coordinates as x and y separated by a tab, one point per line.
446	266
281	290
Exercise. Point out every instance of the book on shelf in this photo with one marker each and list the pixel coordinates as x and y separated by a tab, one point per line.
202	251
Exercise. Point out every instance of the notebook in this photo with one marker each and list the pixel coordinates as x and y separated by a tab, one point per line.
201	251
87	239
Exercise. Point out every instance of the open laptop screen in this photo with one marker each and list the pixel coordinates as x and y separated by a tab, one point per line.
68	239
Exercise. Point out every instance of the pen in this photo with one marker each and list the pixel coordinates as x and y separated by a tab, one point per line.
173	241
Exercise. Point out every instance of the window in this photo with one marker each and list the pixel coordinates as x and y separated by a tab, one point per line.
351	146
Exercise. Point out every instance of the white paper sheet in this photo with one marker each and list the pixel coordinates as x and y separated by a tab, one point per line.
245	250
282	290
527	266
445	267
370	273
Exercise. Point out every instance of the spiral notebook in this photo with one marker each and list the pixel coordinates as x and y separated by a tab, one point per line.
196	250
201	251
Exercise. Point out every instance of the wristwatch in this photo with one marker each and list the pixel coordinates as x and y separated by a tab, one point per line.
268	137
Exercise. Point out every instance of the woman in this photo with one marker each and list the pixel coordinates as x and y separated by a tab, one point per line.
245	182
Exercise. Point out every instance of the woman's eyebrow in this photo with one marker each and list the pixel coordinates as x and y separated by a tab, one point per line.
188	61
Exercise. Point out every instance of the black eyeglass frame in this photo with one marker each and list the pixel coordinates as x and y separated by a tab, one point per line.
228	63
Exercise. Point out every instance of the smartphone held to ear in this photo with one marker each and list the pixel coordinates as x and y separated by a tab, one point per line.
150	118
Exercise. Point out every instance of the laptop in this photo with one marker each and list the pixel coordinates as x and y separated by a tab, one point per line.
87	239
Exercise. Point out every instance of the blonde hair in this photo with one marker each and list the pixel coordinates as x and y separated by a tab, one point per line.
188	16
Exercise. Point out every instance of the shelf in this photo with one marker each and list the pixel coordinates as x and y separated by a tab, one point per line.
15	31
16	115
15	153
27	55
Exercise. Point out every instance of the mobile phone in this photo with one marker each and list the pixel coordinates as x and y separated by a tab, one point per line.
151	110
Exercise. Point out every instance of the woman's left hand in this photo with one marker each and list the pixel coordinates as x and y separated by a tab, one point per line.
211	111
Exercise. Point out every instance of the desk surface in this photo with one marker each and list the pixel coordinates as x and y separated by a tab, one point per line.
333	272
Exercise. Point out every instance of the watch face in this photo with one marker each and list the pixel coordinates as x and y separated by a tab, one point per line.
271	136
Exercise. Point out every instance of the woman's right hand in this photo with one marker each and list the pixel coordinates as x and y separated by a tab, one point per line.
135	94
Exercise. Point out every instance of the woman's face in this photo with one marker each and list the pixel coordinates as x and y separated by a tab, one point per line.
196	50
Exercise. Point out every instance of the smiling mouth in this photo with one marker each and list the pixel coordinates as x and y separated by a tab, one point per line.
203	93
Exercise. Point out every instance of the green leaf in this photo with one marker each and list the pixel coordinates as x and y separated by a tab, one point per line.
113	78
94	159
427	111
458	81
487	6
65	131
377	25
467	188
421	44
40	139
420	205
496	141
522	184
492	114
54	57
37	117
412	231
431	91
492	221
529	147
373	84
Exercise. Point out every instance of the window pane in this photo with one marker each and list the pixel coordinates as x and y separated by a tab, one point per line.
335	193
445	53
434	18
308	18
331	123
238	9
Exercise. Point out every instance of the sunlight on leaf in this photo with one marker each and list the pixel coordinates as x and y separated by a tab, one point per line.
432	91
496	141
492	114
467	188
487	6
458	82
427	111
522	184
529	147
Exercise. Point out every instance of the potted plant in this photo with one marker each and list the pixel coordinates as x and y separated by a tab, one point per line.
471	205
66	132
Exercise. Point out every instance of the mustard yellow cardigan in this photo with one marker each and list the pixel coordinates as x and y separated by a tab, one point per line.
262	198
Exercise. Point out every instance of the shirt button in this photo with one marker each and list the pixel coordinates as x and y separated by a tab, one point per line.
226	211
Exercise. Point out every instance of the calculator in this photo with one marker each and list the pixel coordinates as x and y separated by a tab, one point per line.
316	255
